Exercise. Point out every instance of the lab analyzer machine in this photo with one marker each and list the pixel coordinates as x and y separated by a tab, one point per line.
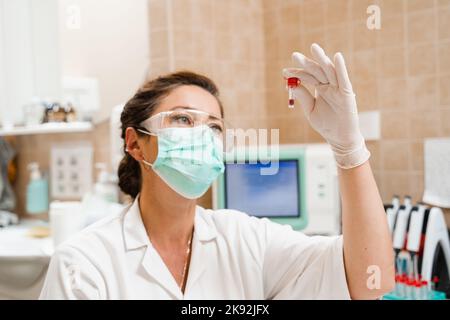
293	184
421	244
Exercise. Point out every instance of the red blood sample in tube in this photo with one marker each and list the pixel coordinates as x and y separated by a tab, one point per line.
292	83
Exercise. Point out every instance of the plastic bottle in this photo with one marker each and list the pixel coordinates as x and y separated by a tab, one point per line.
37	191
103	199
105	187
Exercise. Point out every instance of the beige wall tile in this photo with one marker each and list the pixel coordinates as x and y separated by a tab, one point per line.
392	7
159	44
337	39
413	5
393	93
393	125
392	31
365	65
416	186
182	13
290	44
290	18
157	15
392	62
422	92
222	75
444	23
445	120
366	94
421	26
158	67
395	155
417	155
422	59
202	15
444	57
313	14
337	11
444	90
310	37
425	124
395	183
183	42
222	16
363	38
292	129
223	46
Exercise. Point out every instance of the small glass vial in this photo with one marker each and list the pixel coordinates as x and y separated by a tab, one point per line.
292	83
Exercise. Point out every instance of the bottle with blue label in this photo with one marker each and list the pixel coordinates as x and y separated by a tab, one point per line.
37	191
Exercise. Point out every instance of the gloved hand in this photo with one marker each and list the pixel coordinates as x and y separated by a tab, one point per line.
332	112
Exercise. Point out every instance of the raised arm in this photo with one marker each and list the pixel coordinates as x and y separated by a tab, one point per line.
368	250
332	112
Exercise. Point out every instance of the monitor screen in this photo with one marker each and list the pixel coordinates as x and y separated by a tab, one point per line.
259	195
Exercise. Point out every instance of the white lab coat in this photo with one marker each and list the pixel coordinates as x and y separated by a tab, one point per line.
234	256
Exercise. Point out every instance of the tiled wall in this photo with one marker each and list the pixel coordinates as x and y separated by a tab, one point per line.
403	70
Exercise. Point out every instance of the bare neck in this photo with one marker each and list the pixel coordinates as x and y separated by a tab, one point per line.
167	216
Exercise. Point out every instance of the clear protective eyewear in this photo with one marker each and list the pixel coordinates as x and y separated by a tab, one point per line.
186	118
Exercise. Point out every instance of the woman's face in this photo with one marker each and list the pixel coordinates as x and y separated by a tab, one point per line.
191	97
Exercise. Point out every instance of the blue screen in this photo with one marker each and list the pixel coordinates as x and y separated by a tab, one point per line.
263	195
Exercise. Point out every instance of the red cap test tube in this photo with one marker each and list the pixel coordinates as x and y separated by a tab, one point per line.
292	83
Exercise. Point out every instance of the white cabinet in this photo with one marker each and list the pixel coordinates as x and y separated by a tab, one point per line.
29	55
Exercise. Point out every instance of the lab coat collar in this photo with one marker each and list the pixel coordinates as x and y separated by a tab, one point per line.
135	235
204	227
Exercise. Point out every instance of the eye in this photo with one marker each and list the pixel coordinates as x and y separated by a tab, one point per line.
216	128
182	119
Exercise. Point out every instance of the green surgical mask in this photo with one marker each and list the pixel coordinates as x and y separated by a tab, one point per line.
189	159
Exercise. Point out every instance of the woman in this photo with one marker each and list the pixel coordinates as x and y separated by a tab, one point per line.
165	247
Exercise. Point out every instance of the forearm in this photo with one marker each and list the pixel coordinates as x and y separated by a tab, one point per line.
367	241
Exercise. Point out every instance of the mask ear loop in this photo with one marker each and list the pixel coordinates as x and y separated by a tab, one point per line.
150	134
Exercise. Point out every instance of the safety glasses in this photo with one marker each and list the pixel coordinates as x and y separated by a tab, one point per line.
186	118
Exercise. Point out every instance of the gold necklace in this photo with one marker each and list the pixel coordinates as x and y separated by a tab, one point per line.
188	252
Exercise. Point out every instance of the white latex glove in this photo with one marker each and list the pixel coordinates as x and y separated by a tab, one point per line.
332	112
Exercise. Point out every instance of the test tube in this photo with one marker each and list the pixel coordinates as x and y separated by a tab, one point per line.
292	83
418	290
409	288
402	286
397	285
425	291
435	283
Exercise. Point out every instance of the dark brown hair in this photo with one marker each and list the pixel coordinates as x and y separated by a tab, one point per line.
141	106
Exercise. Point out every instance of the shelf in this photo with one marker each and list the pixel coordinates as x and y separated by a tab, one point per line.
48	128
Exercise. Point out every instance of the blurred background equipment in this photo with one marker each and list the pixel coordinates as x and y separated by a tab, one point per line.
299	189
422	251
7	197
